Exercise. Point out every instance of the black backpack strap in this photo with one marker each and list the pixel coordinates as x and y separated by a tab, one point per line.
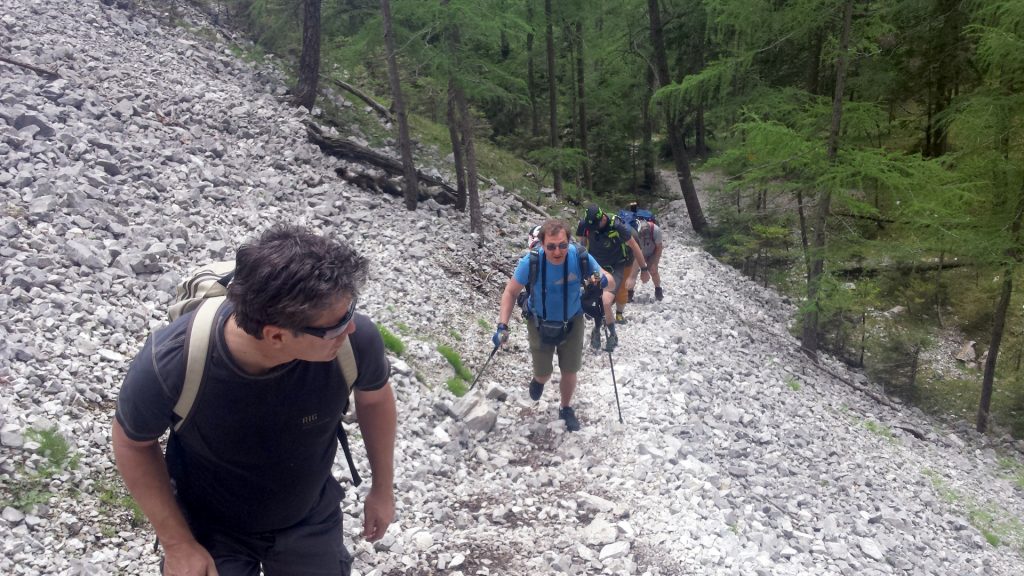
349	373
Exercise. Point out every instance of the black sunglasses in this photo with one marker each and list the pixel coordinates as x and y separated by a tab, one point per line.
332	332
560	246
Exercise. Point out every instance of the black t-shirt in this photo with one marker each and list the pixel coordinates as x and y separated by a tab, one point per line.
256	451
608	246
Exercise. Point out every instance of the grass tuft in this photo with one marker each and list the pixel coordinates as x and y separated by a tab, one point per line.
391	342
455	360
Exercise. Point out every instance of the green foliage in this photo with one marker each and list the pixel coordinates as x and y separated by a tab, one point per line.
457	386
484	324
793	384
55	449
391	342
31	487
455	360
455	334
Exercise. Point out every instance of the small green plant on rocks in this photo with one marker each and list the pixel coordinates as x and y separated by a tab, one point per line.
455	360
793	384
391	342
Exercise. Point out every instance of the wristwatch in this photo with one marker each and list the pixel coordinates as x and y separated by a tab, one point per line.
643	268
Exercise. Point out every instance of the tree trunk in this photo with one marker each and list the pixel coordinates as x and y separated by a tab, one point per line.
647	147
404	142
309	61
588	175
809	339
814	63
999	322
682	162
453	134
531	76
552	94
466	123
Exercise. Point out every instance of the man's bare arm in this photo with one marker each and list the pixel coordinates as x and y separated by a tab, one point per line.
144	471
378	422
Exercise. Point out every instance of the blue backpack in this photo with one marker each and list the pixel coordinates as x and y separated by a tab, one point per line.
632	216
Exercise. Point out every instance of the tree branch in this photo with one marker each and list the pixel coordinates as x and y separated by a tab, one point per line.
361	95
41	71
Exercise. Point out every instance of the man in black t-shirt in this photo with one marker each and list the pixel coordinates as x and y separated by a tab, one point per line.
246	484
611	243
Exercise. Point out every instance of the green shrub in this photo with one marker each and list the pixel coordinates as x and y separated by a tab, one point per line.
484	324
391	342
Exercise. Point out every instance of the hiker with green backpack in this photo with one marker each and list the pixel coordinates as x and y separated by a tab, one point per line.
554	276
252	386
611	243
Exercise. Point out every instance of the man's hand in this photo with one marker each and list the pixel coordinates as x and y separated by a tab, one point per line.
500	335
378	512
645	276
187	558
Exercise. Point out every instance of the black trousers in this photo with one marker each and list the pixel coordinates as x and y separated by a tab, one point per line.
313	547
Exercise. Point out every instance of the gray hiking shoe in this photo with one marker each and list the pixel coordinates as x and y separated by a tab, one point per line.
567	414
595	337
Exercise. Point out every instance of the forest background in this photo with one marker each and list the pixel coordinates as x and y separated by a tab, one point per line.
868	157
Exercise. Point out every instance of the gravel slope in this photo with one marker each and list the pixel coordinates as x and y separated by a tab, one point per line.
157	150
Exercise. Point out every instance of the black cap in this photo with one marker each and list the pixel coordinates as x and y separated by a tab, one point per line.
593	217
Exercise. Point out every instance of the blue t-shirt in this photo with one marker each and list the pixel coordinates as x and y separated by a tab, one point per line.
556	275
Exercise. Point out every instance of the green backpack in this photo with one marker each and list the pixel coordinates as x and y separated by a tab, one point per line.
204	290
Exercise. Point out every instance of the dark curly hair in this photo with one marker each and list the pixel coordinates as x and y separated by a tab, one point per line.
290	276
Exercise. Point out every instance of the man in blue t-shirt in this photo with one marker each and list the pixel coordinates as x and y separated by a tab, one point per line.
555	321
246	484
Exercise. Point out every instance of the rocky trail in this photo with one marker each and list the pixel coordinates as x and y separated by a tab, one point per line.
158	149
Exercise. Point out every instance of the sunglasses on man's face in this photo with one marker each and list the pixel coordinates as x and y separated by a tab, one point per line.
560	246
332	332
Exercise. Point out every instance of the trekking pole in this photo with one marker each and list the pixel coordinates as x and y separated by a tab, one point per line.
481	372
614	385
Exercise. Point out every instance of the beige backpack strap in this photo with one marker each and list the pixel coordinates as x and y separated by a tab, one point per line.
347	360
199	333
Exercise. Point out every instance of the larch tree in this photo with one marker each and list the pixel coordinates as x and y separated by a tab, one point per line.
809	336
673	126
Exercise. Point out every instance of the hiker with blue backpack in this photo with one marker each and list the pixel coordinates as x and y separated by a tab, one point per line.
611	243
554	275
650	238
246	485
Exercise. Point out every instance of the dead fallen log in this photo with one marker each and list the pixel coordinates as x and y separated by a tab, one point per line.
351	151
380	109
899	268
41	71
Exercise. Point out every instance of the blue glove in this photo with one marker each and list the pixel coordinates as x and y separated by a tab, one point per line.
604	281
500	335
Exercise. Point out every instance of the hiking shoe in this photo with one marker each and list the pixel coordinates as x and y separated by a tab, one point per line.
629	295
536	389
611	342
595	337
658	294
619	318
567	414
